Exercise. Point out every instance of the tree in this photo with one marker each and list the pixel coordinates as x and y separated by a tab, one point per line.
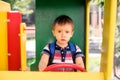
99	2
24	6
10	1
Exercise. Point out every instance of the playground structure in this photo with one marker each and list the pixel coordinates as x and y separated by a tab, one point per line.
12	39
107	45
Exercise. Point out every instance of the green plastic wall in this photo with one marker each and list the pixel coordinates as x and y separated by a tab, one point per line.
47	11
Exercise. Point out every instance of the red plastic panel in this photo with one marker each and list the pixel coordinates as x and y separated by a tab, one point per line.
14	20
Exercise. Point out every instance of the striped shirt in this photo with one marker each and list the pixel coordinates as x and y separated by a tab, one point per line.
63	55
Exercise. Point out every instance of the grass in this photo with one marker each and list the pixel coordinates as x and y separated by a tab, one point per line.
30	61
94	63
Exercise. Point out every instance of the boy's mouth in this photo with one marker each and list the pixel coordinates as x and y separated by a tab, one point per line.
62	39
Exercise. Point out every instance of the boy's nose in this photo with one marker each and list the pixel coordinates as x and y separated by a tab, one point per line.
63	34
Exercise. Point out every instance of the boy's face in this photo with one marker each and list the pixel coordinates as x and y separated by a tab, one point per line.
63	33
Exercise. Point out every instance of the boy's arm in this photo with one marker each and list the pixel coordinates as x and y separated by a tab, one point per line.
43	62
79	61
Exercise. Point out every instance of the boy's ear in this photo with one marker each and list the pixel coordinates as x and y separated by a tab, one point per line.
53	33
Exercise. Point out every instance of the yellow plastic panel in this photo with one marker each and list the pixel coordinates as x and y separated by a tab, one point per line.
4	6
7	75
3	41
23	46
110	10
87	31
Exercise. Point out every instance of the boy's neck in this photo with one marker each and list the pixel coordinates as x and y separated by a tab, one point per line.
62	45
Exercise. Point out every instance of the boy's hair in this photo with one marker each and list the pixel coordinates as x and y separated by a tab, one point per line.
62	20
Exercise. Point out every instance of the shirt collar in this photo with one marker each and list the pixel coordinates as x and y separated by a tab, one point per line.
60	48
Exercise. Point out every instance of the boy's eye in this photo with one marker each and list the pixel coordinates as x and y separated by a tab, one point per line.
67	31
59	31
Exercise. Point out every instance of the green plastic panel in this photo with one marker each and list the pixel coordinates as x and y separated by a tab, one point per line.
47	11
